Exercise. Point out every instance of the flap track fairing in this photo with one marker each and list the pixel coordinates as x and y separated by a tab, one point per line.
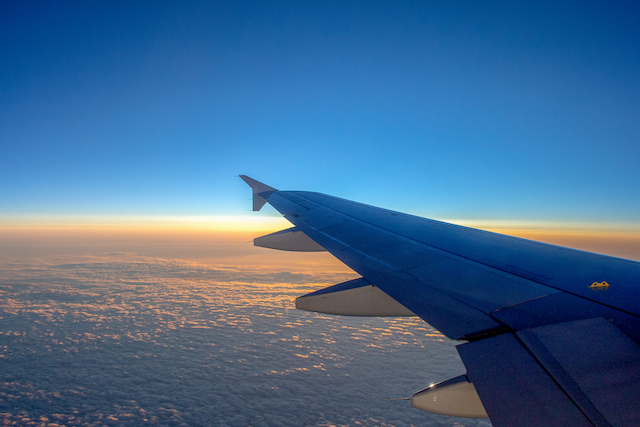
456	397
353	298
290	239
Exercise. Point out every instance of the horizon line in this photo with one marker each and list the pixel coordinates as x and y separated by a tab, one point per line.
267	221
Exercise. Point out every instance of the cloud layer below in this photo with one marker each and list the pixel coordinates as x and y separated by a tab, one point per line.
124	339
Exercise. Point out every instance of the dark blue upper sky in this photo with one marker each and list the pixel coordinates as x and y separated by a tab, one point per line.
512	110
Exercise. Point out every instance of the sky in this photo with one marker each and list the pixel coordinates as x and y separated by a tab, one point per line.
126	233
477	111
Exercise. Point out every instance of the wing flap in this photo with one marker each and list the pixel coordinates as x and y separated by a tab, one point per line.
515	390
580	372
596	364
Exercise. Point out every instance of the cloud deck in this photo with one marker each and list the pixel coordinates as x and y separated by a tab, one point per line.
134	341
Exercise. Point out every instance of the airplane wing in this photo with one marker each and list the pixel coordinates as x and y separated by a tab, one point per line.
549	335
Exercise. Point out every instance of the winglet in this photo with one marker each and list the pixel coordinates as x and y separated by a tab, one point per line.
257	187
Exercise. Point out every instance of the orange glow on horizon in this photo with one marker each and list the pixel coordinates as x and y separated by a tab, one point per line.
178	223
216	241
228	240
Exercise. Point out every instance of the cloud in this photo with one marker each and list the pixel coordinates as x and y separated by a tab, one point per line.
147	341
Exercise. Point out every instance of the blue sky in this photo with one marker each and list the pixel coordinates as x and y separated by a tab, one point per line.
499	111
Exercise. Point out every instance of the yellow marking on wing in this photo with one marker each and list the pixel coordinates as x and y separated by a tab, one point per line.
599	285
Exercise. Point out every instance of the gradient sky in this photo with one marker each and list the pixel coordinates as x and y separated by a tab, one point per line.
126	124
508	111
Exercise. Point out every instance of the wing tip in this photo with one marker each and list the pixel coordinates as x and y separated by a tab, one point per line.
257	187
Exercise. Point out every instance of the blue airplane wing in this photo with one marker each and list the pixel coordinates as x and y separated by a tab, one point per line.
549	335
